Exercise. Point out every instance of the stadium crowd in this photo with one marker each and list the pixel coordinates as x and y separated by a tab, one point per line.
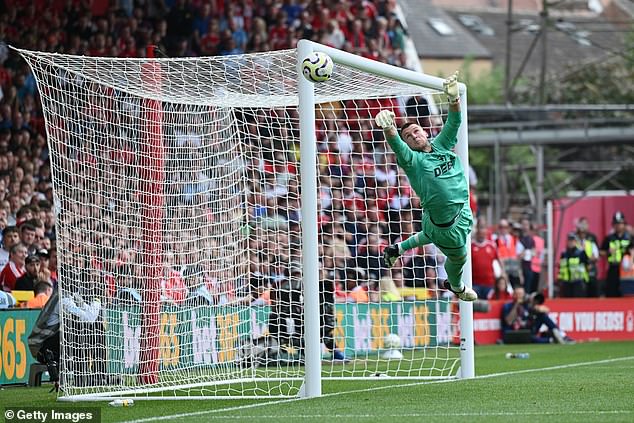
365	201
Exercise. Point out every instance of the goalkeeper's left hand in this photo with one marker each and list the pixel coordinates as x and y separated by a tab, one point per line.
450	86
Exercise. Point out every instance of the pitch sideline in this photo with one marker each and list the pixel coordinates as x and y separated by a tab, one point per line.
377	388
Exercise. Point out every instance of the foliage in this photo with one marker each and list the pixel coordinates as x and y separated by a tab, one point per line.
483	88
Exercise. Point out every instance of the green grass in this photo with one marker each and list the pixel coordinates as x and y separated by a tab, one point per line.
553	385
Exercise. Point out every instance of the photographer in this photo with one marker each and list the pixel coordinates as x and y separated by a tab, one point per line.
529	312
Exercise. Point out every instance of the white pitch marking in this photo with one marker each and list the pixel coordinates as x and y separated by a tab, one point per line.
379	388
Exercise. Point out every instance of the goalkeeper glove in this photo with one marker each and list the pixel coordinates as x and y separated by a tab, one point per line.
450	86
385	119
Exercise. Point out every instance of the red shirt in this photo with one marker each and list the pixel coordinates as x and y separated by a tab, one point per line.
482	256
9	275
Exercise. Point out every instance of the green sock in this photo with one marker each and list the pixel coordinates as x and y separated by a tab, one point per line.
455	269
416	240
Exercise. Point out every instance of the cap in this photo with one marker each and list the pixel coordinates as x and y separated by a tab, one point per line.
43	252
32	259
618	218
572	236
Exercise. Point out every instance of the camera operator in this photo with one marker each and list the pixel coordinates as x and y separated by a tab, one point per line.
529	312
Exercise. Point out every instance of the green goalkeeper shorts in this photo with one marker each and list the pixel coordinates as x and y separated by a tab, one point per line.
451	240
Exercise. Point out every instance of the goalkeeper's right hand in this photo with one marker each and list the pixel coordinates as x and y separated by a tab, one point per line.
385	120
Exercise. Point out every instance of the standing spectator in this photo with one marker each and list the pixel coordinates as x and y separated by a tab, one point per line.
530	249
627	271
484	257
613	248
588	243
14	268
573	274
506	244
10	237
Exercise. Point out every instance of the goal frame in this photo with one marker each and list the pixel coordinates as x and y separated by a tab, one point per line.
308	174
312	377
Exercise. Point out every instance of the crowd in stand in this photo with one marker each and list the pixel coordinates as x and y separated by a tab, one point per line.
513	255
365	201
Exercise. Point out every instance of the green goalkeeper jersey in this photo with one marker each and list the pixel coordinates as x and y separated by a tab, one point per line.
437	177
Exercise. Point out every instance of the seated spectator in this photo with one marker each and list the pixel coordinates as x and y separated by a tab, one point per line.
10	237
43	291
14	268
502	290
27	281
573	270
530	313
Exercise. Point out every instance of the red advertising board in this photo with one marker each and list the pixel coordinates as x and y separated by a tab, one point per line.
583	319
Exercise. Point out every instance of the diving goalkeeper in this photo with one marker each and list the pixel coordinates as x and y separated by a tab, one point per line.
437	176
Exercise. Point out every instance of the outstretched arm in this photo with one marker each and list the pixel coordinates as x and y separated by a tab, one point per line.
447	138
385	120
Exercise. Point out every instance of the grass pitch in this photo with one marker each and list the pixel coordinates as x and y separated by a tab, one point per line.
586	382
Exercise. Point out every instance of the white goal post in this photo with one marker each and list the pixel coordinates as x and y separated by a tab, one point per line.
202	204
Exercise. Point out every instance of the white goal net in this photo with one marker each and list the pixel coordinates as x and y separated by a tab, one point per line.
178	195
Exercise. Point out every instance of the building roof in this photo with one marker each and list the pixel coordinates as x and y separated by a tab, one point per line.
572	39
437	35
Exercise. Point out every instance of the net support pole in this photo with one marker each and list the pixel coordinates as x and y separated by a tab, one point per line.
310	263
153	203
467	360
550	251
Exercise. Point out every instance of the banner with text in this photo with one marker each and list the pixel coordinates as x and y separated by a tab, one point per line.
15	359
210	335
583	319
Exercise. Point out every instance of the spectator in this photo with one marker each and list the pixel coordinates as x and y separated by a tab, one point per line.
10	237
502	290
627	271
588	243
506	244
573	274
530	250
27	236
529	312
484	260
6	300
32	274
43	291
613	248
14	269
45	262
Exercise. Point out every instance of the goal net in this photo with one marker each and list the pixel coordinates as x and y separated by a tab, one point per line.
187	261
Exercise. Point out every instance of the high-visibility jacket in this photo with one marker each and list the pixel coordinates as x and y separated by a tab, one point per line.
627	267
615	245
588	246
572	266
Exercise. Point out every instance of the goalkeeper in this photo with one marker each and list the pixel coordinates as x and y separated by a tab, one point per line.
437	176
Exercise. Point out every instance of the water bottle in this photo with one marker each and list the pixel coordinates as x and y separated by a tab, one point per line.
122	403
518	355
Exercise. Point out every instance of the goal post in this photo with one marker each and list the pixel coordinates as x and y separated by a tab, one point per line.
229	217
307	118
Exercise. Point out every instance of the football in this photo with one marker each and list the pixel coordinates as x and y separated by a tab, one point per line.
317	67
392	341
